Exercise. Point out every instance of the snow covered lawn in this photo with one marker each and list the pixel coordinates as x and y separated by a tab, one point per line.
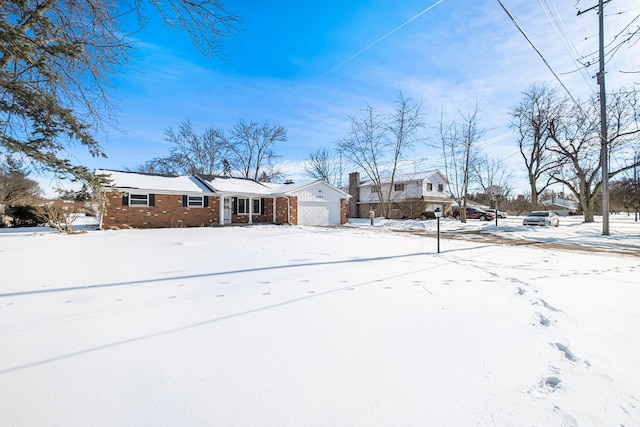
294	326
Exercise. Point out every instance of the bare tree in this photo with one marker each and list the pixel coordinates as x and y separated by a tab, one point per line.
577	144
57	61
15	186
459	142
251	148
190	153
364	146
403	126
531	120
324	164
492	172
377	145
625	194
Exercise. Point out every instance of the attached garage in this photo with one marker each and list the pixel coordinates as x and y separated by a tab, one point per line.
318	203
318	213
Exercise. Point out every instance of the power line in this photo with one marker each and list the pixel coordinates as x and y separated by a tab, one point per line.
539	53
558	25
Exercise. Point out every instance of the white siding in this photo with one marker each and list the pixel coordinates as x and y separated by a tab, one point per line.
318	204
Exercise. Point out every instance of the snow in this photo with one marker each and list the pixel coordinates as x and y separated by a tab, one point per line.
146	182
238	186
289	326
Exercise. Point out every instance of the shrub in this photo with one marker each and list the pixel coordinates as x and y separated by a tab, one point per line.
428	215
23	216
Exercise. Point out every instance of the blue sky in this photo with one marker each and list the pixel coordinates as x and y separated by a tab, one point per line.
304	65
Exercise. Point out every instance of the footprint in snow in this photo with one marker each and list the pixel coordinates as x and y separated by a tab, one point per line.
551	382
542	321
545	304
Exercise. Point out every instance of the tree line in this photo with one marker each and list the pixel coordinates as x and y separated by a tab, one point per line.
248	150
558	139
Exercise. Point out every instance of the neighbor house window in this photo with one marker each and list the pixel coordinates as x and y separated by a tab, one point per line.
429	186
440	188
138	200
398	187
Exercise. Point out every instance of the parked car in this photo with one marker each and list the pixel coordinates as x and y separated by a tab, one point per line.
500	214
474	213
542	218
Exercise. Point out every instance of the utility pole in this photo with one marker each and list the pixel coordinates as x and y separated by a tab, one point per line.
604	155
604	141
636	187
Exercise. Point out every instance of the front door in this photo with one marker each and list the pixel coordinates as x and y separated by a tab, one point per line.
227	210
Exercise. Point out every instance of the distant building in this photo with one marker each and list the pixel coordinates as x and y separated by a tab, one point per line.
562	207
411	195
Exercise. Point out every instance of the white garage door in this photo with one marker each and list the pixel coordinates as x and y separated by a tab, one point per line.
310	213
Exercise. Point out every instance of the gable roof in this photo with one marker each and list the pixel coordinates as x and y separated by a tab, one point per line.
236	186
288	189
153	183
204	184
569	204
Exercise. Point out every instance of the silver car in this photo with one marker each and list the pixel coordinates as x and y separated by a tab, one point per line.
499	214
542	218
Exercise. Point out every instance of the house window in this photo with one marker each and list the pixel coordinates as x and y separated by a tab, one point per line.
138	200
375	189
243	206
440	188
195	201
429	186
398	187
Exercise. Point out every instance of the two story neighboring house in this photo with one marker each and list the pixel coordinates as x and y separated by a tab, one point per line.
411	195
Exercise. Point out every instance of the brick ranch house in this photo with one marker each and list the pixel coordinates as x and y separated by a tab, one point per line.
411	195
141	200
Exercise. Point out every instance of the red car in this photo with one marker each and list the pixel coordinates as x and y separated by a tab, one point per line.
474	213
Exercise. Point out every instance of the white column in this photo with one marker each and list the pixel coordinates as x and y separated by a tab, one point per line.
250	210
275	200
221	216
